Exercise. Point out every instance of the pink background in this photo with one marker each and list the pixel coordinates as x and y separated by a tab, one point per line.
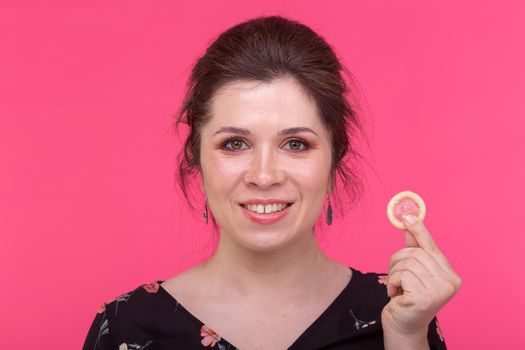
88	205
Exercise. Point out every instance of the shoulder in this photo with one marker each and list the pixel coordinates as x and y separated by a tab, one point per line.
134	296
123	316
369	279
132	305
369	288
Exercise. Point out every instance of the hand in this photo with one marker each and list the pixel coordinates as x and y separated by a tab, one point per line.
420	282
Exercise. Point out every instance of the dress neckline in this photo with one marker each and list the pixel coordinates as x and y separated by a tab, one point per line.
300	338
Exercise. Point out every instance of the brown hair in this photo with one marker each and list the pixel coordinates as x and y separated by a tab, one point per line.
264	49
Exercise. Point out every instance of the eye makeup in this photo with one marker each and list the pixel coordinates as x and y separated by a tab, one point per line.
237	142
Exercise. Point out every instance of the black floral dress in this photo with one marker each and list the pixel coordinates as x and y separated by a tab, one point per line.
148	317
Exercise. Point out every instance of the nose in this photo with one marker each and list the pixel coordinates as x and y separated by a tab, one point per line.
264	169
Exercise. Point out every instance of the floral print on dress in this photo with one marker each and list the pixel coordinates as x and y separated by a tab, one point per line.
358	324
101	308
152	287
120	298
104	327
149	297
210	337
439	331
134	346
382	279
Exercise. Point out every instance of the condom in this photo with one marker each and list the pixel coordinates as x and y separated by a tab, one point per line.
405	202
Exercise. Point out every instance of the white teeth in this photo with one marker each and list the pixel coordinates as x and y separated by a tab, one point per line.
265	209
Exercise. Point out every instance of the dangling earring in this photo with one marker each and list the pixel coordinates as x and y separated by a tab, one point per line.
329	213
205	213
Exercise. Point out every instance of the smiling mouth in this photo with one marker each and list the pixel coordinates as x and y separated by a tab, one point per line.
266	209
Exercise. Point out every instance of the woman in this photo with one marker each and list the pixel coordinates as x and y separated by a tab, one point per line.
269	127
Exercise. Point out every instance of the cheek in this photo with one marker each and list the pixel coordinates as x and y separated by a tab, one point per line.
220	174
312	175
312	180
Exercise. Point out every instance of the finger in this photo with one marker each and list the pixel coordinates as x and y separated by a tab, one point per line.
425	240
421	256
410	264
401	282
410	240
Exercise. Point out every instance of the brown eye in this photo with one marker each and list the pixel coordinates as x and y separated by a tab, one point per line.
233	144
297	145
236	144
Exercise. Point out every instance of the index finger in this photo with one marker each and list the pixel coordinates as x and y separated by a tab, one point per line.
419	232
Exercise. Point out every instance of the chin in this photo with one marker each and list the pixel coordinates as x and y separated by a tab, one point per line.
267	242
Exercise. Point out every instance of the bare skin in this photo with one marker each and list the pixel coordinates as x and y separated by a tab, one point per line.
245	308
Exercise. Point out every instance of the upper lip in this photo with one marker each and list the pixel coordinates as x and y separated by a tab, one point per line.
266	201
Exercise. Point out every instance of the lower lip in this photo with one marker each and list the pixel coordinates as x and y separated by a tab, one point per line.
265	219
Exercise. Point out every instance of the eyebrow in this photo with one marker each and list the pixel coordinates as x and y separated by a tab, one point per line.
242	131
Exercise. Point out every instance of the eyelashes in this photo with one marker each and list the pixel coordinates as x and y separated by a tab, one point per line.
228	143
235	144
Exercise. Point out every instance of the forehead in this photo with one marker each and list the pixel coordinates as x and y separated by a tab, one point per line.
281	102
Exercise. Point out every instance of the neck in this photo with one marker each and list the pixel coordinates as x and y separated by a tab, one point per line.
296	267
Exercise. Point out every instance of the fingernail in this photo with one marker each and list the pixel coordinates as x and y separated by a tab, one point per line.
409	219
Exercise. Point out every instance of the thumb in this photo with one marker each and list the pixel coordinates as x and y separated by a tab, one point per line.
410	239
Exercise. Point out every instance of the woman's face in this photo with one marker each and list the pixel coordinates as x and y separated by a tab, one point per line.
265	147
